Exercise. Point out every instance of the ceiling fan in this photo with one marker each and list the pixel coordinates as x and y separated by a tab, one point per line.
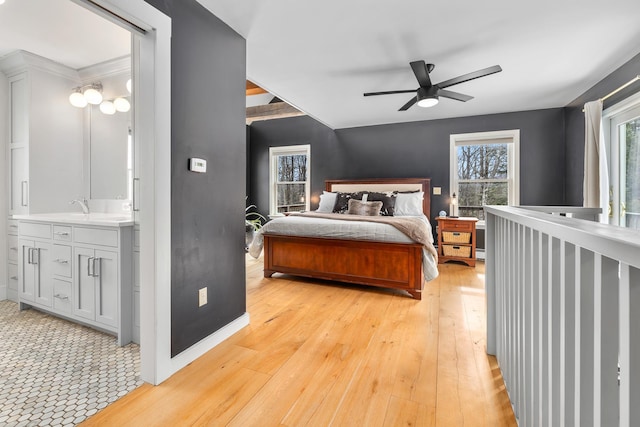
427	94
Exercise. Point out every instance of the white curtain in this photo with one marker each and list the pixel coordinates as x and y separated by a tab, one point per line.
596	173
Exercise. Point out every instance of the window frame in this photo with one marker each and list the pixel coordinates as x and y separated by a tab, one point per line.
274	152
613	116
509	137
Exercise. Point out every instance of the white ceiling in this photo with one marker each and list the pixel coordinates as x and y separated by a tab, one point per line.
321	56
61	31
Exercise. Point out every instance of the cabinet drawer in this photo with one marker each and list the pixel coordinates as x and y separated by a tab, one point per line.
457	225
61	257
12	227
62	232
456	237
13	276
62	296
12	248
35	229
457	251
96	236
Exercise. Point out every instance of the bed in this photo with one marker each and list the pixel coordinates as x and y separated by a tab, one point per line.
398	263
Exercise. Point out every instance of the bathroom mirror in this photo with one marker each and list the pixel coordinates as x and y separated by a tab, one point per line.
109	146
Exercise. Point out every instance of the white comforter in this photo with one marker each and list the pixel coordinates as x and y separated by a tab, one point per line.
337	229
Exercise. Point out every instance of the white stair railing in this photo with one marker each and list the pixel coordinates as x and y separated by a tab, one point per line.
563	317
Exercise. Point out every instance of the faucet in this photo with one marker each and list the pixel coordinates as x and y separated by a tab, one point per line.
83	204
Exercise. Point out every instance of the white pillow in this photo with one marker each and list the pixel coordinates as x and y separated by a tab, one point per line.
327	202
409	204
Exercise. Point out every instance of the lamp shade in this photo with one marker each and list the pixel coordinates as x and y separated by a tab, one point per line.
129	85
107	107
122	105
77	99
93	96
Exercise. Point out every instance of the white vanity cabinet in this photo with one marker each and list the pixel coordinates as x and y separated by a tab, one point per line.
78	271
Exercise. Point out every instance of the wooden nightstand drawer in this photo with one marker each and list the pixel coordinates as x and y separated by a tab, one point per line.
454	225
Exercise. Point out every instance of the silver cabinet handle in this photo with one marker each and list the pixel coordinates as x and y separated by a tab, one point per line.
61	261
13	226
96	272
136	188
13	248
61	296
24	196
29	256
14	277
60	233
89	267
35	259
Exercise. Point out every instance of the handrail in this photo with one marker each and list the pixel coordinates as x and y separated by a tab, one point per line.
563	309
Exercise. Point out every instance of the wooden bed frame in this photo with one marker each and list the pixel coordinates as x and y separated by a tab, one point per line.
389	265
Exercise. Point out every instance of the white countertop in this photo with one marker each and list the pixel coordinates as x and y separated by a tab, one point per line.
94	218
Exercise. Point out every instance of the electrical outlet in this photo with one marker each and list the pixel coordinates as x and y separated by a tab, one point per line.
202	296
437	191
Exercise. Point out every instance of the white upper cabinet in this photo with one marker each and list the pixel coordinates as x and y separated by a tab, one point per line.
45	147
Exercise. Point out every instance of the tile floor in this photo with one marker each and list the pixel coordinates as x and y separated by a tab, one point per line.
58	373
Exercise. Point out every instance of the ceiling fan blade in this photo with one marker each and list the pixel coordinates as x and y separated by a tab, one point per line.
409	104
389	92
454	95
422	74
470	76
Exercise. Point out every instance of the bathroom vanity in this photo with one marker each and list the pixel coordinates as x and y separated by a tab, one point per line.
79	267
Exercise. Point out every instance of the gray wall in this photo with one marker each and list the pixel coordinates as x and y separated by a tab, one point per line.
417	149
207	121
575	123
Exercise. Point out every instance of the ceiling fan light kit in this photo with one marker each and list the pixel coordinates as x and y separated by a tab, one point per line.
428	94
427	97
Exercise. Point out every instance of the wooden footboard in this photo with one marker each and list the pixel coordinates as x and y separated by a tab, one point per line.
389	265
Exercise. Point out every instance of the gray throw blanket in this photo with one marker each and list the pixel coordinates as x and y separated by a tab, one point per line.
412	227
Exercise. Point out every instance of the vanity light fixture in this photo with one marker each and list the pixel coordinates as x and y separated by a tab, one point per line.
107	107
87	94
122	105
76	98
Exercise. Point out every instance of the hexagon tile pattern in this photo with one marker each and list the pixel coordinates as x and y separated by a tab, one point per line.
58	373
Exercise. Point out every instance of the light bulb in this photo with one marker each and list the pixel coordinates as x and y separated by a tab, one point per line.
128	84
107	107
427	102
77	99
122	105
93	96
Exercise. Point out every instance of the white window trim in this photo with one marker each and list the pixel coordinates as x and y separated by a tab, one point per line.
611	117
510	137
273	172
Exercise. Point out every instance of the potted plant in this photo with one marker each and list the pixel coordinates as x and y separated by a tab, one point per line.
252	222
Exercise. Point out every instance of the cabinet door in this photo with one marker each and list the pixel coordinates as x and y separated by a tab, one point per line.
106	272
84	294
26	272
43	285
19	197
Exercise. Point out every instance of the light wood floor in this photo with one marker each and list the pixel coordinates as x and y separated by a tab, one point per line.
321	354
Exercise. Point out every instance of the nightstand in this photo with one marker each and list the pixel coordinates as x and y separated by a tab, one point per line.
457	240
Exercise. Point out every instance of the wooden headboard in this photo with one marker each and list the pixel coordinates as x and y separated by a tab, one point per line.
385	184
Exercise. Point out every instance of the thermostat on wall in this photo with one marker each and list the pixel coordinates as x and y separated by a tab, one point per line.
197	165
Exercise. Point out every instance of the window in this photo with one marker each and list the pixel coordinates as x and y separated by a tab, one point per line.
485	170
289	178
621	125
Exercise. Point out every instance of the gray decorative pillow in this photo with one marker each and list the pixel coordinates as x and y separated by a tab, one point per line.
357	207
342	201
